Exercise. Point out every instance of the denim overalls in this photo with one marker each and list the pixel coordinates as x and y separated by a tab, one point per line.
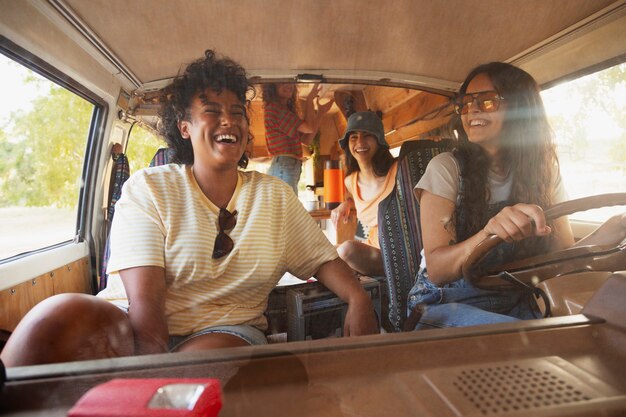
460	303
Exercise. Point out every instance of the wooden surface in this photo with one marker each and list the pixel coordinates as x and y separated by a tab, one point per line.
320	214
15	302
406	113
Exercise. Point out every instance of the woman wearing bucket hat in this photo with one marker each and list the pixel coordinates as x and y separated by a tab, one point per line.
370	177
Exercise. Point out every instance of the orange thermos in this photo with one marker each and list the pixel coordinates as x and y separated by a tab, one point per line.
333	184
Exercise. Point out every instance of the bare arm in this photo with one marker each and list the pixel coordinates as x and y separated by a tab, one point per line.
308	131
445	256
145	287
312	117
308	126
337	276
342	212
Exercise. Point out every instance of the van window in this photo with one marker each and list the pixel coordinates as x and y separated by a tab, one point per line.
143	143
587	116
43	136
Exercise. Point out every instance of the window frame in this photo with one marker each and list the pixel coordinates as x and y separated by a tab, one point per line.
94	142
581	226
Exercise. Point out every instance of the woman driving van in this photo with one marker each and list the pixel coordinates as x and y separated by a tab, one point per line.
497	182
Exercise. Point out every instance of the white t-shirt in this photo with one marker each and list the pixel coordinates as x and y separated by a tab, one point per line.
442	178
163	219
442	175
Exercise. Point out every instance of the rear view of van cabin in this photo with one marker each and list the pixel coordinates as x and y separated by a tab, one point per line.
83	83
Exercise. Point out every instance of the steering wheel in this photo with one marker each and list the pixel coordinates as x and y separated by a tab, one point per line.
530	271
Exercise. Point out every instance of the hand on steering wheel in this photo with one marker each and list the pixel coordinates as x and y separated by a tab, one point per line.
514	223
545	266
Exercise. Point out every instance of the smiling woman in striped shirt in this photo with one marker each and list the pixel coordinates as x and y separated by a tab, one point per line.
196	246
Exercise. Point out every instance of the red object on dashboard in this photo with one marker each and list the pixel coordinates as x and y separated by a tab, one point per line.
165	397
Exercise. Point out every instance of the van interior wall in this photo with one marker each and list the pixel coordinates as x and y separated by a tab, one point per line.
16	301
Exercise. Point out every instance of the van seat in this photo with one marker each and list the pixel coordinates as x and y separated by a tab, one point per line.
399	231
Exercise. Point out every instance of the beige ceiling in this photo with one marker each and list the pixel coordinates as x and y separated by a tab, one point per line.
441	39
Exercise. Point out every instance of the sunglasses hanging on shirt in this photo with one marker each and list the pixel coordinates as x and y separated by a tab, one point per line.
223	243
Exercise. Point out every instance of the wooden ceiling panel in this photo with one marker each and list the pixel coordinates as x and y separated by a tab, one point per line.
387	99
407	113
417	107
415	131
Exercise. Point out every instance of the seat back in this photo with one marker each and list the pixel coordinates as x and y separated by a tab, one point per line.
163	156
120	174
399	230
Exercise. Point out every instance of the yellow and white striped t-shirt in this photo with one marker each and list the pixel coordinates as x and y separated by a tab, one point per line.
163	219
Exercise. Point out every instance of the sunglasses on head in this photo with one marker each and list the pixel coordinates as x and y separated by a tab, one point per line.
488	101
223	243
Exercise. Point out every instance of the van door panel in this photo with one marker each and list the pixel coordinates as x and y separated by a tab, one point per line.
16	301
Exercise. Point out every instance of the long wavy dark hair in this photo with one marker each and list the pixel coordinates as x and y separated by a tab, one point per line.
270	95
526	142
210	72
381	161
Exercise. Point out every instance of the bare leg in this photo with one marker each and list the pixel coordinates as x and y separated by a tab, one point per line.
363	258
69	327
212	341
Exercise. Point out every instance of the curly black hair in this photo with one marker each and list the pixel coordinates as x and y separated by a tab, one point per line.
218	74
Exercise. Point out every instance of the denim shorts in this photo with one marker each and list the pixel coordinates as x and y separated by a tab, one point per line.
460	304
288	169
250	334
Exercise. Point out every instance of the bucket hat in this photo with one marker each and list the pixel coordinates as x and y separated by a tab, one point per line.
365	121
